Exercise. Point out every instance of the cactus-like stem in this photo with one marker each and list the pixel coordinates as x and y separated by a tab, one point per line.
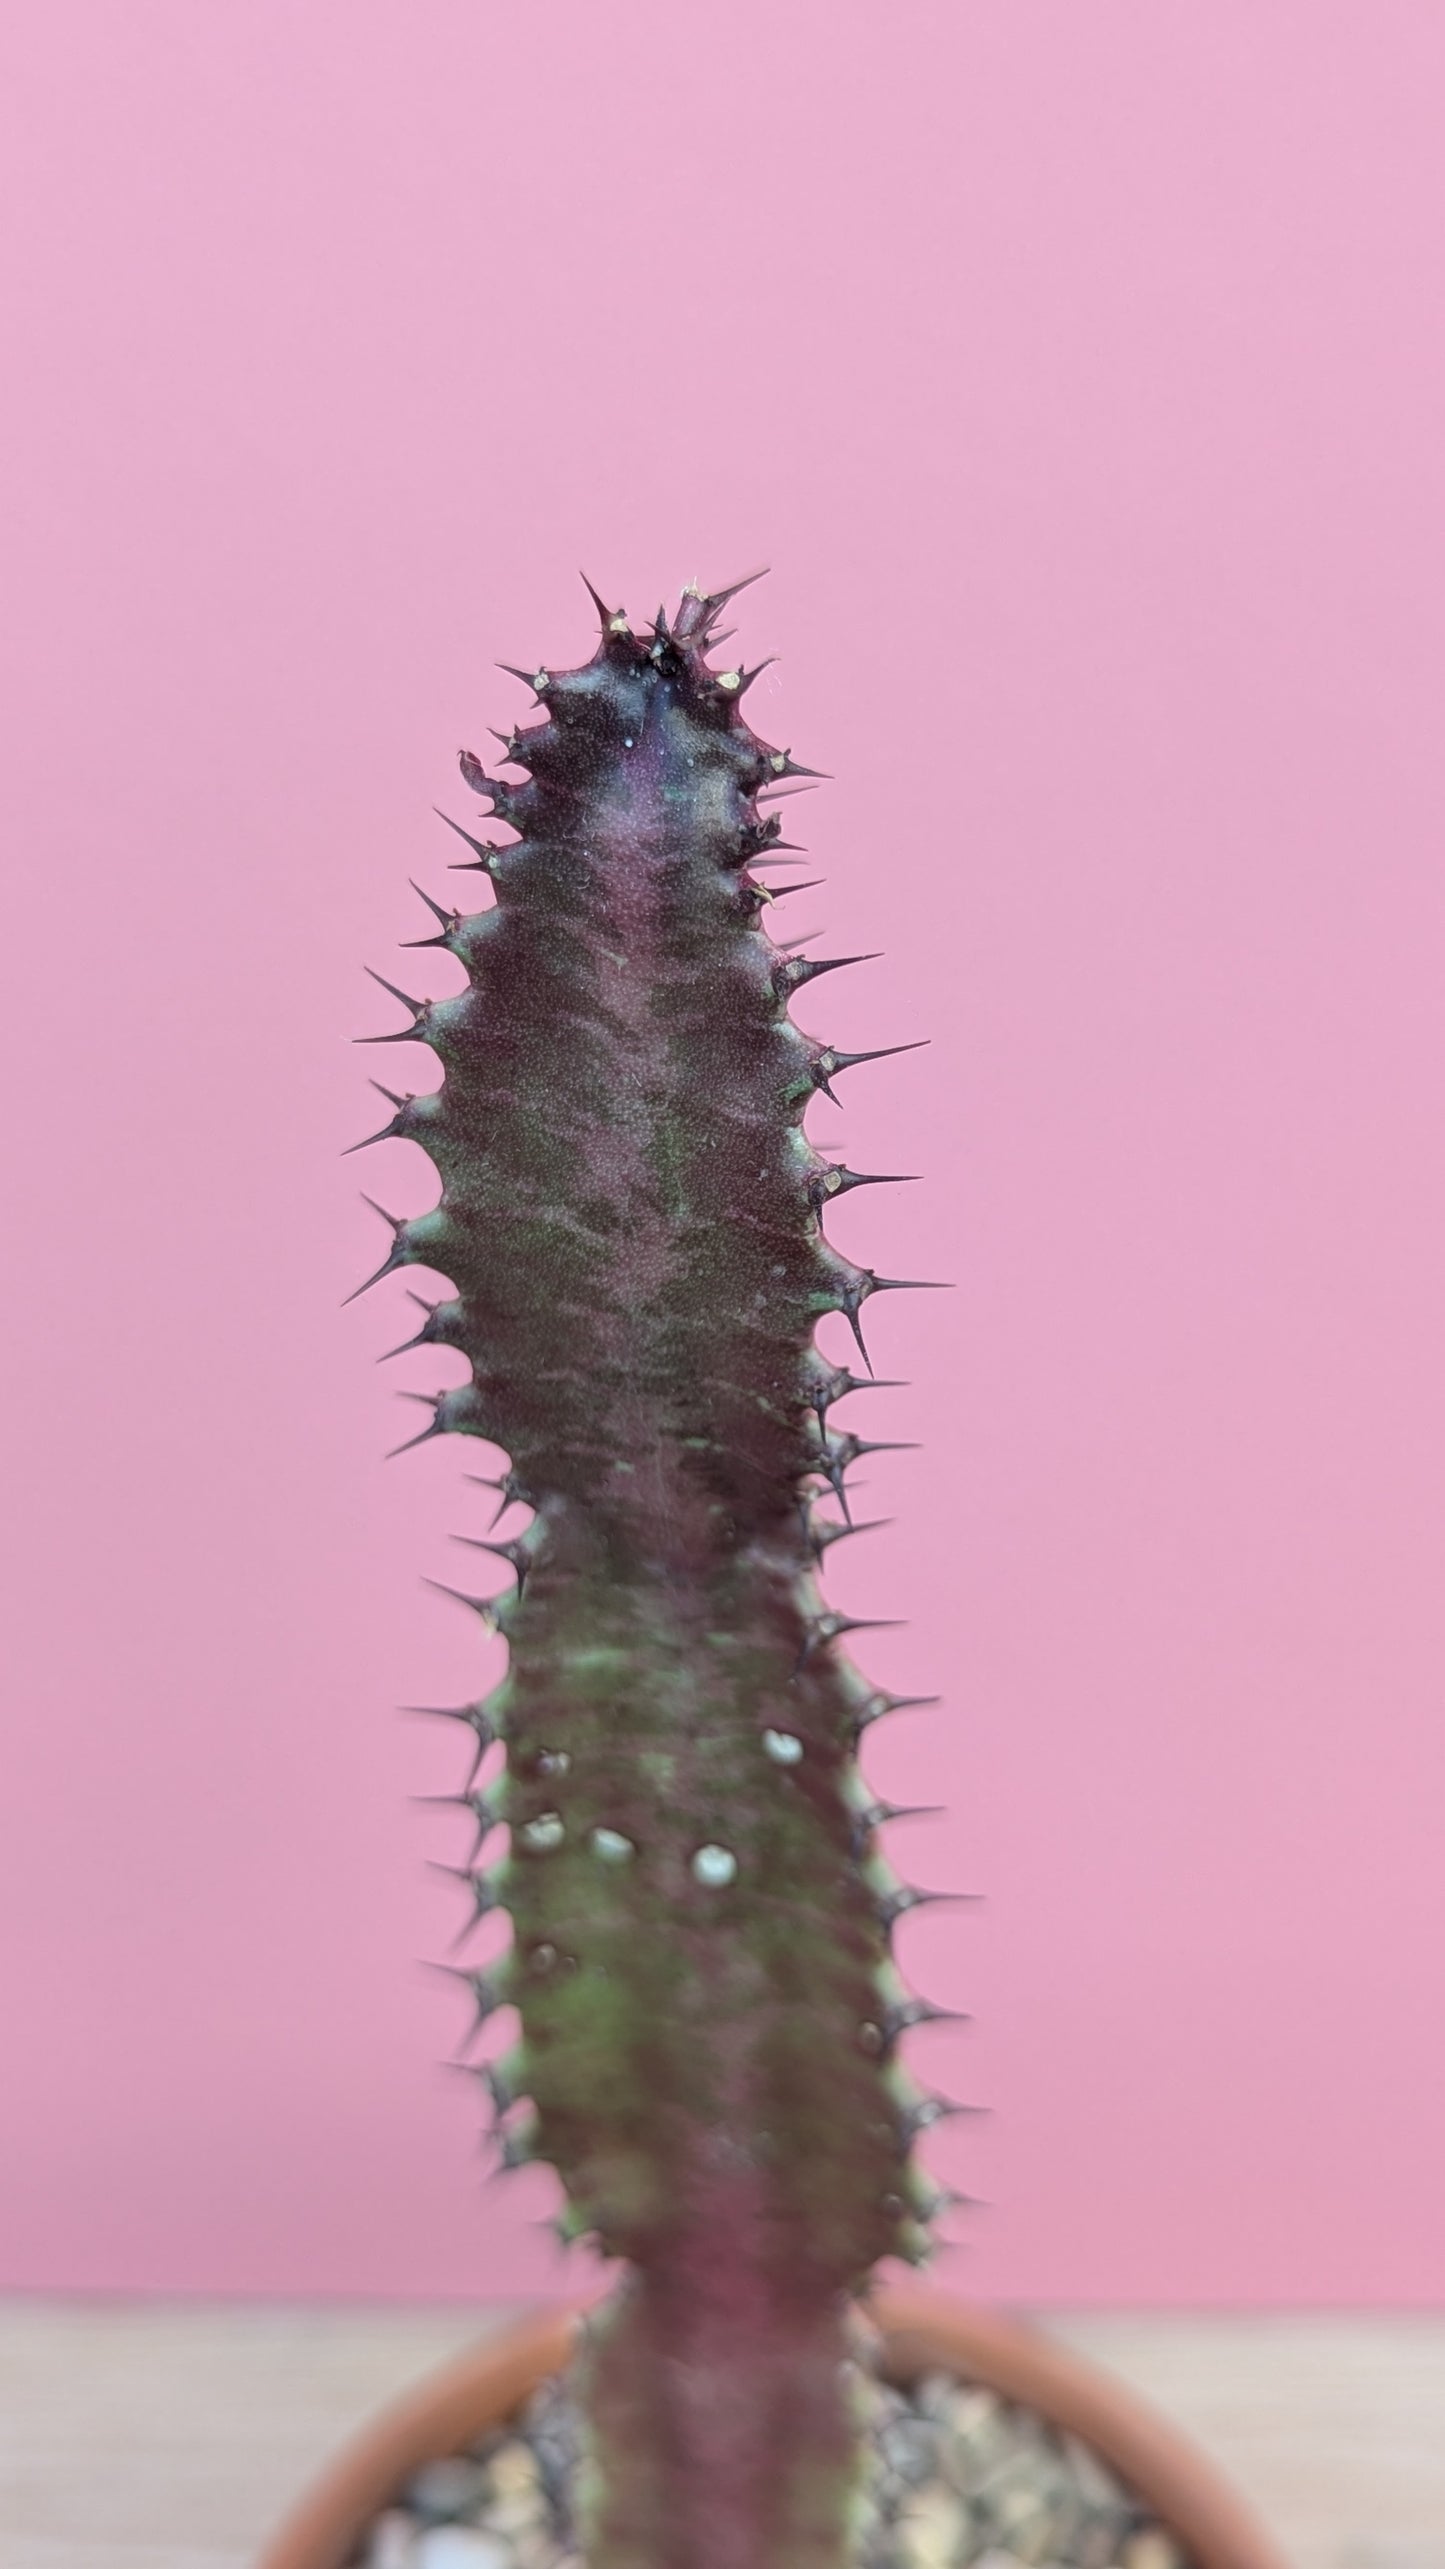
630	1224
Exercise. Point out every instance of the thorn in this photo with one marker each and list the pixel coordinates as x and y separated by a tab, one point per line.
474	1717
828	1180
486	1607
484	1898
935	2109
511	1492
487	1996
830	1061
435	1427
878	1815
472	1714
425	1437
755	837
487	1815
939	2200
831	1470
848	1178
486	1819
604	614
456	2067
828	1628
894	1905
851	1298
850	1309
784	890
745	677
498	2086
396	1256
483	853
422	1338
784	793
910	1284
716	599
435	907
566	2226
451	920
387	1134
475	775
830	1466
902	2017
843	1450
615	622
515	2151
839	1382
418	1007
516	1555
882	1704
791	975
822	1536
529	678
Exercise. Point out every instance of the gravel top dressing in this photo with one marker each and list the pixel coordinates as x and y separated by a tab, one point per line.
956	2475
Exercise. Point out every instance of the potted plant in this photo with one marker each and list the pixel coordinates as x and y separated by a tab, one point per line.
709	2016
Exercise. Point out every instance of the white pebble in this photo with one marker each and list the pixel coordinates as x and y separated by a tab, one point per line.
783	1746
1152	2548
612	1846
446	2486
513	2471
545	1833
393	2542
714	1865
460	2546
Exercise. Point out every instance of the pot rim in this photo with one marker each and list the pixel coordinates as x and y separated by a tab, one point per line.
924	2332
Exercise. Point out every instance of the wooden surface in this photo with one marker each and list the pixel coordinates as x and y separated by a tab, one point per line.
171	2437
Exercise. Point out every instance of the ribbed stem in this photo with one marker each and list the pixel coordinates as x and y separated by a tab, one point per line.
629	1220
722	2419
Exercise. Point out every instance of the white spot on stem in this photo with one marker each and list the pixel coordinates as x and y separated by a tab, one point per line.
714	1866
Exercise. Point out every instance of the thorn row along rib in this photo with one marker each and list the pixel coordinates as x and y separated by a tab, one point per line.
629	1224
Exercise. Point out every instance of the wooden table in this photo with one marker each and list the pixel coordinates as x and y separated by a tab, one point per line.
170	2436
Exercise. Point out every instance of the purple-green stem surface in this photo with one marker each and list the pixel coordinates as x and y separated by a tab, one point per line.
630	1223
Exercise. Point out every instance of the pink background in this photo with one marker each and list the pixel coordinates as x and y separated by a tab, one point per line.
1079	369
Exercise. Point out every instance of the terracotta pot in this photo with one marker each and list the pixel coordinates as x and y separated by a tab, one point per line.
924	2332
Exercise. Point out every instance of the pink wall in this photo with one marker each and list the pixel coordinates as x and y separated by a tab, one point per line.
1080	371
